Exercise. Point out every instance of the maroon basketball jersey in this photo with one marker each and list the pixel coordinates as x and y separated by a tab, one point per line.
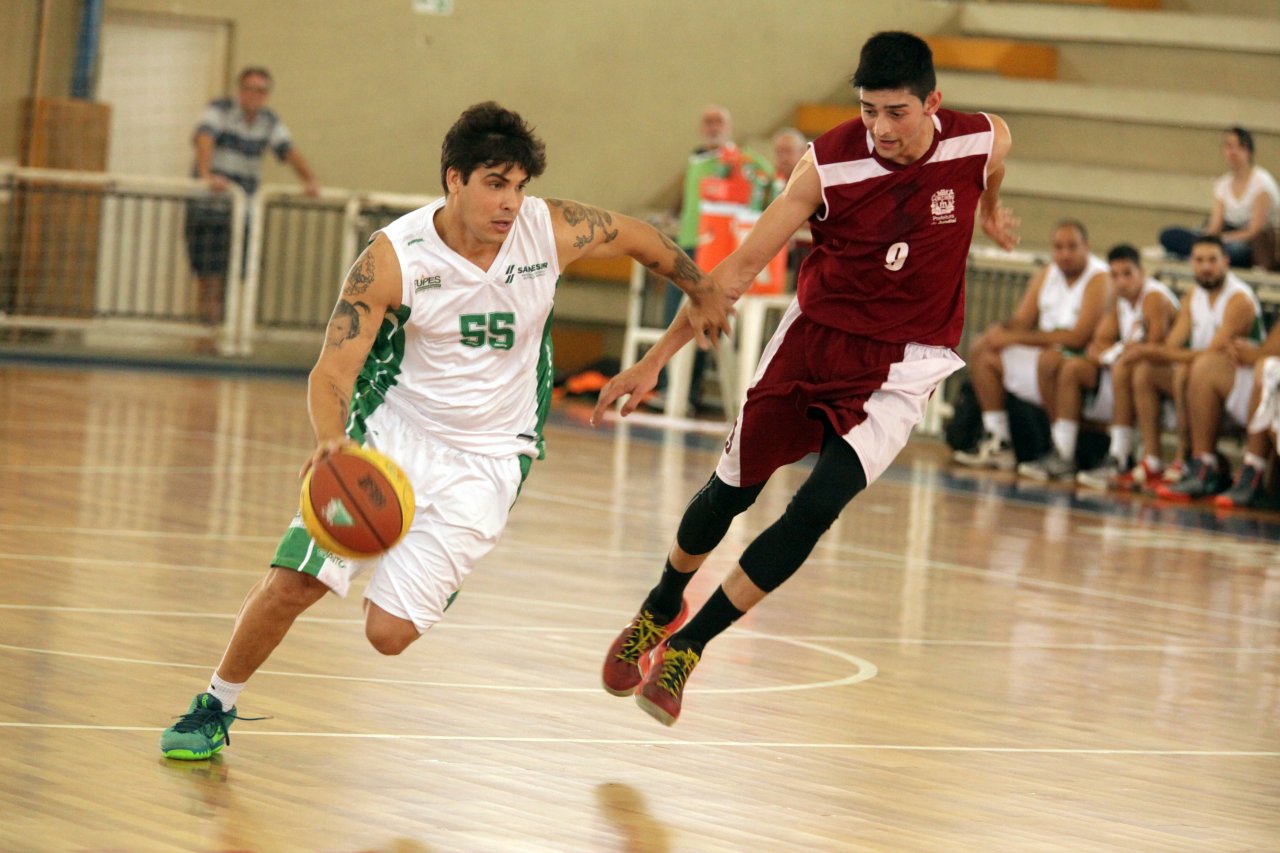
890	241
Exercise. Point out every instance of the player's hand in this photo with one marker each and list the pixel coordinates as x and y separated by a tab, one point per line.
709	310
218	183
1002	227
1242	351
636	381
323	449
997	338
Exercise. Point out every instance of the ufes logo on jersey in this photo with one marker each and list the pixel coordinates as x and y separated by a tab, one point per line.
529	271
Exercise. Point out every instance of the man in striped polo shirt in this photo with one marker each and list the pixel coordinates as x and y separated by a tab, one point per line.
230	140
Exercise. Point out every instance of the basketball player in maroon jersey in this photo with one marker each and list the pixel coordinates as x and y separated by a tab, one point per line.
891	199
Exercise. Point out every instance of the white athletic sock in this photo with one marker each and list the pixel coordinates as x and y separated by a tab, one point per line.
1121	442
226	692
1064	437
1154	463
997	424
1210	459
1255	460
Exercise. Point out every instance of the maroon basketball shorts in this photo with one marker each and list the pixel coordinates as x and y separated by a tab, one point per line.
873	393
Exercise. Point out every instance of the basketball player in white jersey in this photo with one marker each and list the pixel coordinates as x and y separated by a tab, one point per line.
1090	387
439	355
1221	309
1059	311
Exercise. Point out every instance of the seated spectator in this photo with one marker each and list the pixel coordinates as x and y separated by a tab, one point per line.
1059	312
1223	382
1249	489
1221	309
789	146
1246	209
1144	310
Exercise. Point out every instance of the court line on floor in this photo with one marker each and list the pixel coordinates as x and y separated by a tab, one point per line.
737	744
740	632
863	671
107	532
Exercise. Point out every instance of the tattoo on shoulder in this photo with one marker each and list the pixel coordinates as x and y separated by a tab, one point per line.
345	322
575	214
361	276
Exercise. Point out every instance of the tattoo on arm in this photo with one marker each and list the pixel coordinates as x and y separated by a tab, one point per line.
361	276
345	322
682	267
344	400
575	214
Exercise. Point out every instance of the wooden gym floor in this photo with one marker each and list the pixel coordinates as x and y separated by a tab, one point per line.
965	663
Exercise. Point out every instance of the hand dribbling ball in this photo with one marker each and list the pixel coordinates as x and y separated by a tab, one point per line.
356	502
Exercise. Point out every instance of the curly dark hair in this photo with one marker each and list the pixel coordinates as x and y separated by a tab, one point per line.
488	135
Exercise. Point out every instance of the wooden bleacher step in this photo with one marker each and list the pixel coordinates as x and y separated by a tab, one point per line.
1005	57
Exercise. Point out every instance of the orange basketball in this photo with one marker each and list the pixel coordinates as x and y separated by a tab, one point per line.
357	502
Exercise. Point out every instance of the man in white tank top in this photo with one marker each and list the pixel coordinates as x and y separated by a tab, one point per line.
1089	387
1220	309
1263	427
1059	311
438	354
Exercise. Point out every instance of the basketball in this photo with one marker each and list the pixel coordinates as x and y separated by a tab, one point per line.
357	503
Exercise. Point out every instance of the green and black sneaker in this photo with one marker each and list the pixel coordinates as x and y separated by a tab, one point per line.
201	732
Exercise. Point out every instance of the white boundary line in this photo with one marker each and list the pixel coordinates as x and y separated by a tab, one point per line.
733	744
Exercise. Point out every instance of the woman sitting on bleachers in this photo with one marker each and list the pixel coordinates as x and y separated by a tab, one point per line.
1246	209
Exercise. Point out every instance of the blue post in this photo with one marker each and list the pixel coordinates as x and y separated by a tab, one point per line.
87	50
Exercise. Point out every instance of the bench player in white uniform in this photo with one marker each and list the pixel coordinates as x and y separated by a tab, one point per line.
1091	387
1263	428
1059	311
438	354
1221	309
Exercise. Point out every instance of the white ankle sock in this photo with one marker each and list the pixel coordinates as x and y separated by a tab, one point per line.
1255	460
1065	434
996	423
226	692
1155	463
1121	442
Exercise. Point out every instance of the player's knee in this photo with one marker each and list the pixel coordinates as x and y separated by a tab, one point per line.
390	639
292	591
1049	363
710	513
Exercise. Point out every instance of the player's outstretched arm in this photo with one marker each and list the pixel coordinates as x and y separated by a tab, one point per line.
371	288
799	200
583	231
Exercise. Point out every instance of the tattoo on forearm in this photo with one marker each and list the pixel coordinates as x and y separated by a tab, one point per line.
345	322
361	276
344	400
686	269
575	214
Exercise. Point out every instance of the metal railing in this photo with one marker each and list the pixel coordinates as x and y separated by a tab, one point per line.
93	252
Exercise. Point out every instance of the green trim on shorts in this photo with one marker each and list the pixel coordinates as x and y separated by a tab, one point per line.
298	551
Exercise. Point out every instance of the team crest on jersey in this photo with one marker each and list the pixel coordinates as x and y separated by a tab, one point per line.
943	206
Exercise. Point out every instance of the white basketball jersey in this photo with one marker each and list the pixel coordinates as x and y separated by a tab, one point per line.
1129	313
1060	300
1206	317
467	356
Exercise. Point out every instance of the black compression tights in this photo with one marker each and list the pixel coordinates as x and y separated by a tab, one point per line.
778	552
709	514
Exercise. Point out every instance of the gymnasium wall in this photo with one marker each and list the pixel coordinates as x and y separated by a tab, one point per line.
614	87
